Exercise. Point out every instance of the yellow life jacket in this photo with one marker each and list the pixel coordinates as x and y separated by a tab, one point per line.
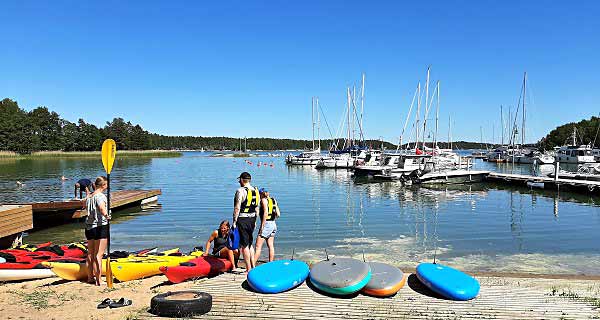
252	200
271	213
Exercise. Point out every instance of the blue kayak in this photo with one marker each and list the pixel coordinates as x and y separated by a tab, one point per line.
448	282
278	276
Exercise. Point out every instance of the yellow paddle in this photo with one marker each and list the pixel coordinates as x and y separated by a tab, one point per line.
109	152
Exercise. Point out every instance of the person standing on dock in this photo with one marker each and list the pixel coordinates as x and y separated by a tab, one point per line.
83	185
245	210
269	211
96	230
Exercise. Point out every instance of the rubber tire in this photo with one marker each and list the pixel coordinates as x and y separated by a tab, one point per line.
161	306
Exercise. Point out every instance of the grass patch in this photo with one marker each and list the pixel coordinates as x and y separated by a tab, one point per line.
43	299
91	154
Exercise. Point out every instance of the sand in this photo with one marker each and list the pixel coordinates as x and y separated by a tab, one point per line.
54	298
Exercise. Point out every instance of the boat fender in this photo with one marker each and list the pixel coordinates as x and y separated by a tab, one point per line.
181	304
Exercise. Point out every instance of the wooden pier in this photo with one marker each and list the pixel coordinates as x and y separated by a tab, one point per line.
586	186
14	219
56	212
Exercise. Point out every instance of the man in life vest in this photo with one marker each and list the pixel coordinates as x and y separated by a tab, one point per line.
245	209
269	211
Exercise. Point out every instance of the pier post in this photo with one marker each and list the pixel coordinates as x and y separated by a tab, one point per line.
556	169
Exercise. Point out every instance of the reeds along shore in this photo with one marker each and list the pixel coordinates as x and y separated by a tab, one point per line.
90	154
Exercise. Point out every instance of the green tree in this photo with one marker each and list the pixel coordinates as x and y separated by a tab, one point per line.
15	129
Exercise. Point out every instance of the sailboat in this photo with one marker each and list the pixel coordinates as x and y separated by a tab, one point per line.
313	156
517	153
351	152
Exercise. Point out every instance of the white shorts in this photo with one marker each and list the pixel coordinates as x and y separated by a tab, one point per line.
269	230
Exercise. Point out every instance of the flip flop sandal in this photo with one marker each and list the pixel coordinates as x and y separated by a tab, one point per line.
120	303
105	303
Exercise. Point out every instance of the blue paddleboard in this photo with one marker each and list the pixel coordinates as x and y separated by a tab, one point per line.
448	282
278	276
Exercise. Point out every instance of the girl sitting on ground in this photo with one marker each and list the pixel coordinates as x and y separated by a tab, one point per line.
220	250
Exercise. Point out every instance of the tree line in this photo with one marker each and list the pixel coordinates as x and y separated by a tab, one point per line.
43	130
587	133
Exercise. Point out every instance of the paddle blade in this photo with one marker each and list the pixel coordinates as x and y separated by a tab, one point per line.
109	277
109	152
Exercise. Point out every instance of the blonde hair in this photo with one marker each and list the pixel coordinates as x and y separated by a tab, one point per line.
100	182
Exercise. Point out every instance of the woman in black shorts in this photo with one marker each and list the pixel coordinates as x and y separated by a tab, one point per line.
220	250
96	230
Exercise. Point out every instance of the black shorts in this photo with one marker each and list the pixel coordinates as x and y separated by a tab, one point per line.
245	227
97	233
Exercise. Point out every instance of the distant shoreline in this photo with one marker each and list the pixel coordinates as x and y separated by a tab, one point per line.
90	154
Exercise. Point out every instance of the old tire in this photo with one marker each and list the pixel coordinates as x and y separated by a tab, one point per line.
181	304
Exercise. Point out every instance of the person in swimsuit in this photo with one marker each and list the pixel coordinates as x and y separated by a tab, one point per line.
219	238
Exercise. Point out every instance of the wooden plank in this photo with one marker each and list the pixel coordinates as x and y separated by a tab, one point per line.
19	210
15	219
118	199
499	298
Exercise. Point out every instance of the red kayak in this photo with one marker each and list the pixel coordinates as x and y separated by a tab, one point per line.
44	253
33	261
196	268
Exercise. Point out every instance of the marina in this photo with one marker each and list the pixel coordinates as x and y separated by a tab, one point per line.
161	161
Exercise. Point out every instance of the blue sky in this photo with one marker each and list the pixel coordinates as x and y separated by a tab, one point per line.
238	68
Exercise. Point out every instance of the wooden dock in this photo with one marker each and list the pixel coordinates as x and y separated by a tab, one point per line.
14	219
499	298
586	186
56	212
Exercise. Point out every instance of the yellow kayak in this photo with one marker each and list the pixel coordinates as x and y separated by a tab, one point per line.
134	268
78	270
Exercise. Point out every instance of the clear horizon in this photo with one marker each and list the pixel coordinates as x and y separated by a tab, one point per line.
250	69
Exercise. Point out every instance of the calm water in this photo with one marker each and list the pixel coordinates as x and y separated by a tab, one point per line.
480	227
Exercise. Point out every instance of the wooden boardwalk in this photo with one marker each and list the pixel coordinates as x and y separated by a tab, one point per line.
499	298
118	199
15	219
548	183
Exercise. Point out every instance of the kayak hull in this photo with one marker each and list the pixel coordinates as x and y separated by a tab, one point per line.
196	268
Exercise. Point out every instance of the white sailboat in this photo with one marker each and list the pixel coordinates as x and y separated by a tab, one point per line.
311	157
518	154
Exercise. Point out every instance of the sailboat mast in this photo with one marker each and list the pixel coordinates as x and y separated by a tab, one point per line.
362	105
524	116
437	115
318	107
502	123
312	114
426	106
349	115
353	113
412	103
417	118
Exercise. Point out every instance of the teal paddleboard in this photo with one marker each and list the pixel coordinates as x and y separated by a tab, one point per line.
340	276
